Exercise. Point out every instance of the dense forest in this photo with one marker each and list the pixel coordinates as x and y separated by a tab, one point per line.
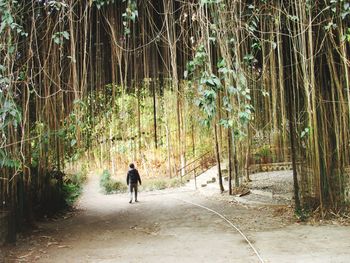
163	82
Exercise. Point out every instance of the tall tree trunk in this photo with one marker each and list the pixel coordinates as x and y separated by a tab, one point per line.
12	224
290	97
247	156
139	119
217	154
154	113
230	170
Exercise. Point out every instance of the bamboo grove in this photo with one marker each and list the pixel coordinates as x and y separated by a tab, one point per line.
245	74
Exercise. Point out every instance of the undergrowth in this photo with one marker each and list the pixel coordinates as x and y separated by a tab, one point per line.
110	185
303	214
160	184
73	185
71	192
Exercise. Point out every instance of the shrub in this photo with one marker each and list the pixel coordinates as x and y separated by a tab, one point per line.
73	184
264	151
160	184
78	178
110	185
71	192
175	182
105	182
119	186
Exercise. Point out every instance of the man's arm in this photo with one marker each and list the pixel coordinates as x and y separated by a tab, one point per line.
138	177
127	179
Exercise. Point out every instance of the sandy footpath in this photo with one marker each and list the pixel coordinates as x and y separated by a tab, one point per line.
165	227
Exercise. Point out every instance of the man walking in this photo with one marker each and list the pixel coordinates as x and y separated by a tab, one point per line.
132	179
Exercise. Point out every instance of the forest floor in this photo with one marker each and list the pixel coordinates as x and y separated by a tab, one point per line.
173	225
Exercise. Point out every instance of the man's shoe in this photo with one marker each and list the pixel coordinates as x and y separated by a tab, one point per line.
131	201
136	200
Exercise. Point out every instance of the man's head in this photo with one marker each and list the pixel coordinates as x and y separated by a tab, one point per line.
132	166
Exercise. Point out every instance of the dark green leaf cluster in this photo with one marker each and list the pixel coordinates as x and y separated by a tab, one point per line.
208	84
129	16
100	3
340	11
71	192
8	162
109	185
8	19
10	113
59	37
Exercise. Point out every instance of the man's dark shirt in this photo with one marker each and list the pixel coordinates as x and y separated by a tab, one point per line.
133	177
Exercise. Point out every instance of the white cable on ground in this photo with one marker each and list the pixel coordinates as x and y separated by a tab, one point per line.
229	222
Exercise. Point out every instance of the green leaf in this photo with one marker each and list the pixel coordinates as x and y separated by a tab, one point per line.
221	63
11	49
65	34
186	74
226	123
305	132
210	82
274	45
216	81
212	39
61	133
73	142
232	90
210	94
265	93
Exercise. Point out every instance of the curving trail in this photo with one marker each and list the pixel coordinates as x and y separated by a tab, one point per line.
159	228
178	225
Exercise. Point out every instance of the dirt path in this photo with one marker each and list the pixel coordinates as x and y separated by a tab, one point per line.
164	227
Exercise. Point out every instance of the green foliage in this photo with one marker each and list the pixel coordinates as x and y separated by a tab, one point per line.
8	162
156	185
10	113
77	122
8	20
175	182
293	18
10	116
205	2
207	101
130	15
56	5
252	26
305	132
105	179
119	187
264	151
71	192
110	185
79	177
160	184
100	3
59	37
208	84
340	8
75	126
240	115
73	185
346	36
302	214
